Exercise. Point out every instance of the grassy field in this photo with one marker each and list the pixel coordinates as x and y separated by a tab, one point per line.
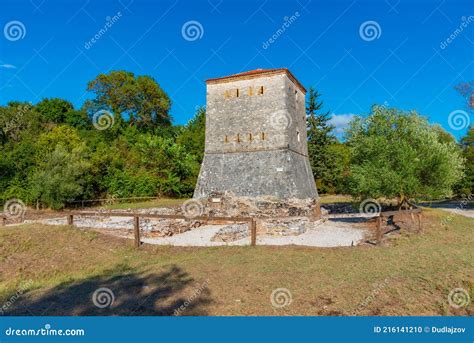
55	271
334	198
164	202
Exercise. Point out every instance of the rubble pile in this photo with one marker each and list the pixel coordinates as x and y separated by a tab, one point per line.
166	227
231	233
283	227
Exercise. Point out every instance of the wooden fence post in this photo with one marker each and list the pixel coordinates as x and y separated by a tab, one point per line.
419	221
253	232
379	229
70	219
136	229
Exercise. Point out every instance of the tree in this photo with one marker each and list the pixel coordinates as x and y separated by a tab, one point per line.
60	177
340	166
152	166
397	154
466	185
319	141
193	134
466	89
16	119
54	110
138	99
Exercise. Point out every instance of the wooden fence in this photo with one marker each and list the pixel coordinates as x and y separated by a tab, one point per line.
136	221
251	221
379	233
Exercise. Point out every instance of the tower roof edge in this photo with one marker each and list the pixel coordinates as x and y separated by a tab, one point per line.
256	73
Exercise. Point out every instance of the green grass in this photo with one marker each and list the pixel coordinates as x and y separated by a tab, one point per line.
166	202
334	198
411	275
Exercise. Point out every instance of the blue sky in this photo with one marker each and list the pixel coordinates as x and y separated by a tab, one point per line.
403	59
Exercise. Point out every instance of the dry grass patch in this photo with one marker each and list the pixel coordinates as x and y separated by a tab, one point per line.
411	275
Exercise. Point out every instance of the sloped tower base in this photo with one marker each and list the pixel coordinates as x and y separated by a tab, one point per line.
281	173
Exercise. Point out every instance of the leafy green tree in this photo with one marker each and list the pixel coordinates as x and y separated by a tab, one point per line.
138	99
63	135
19	126
54	110
60	177
18	119
339	166
152	166
319	141
192	135
78	119
397	154
466	185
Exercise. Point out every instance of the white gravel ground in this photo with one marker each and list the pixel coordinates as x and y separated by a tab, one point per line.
331	233
196	237
327	234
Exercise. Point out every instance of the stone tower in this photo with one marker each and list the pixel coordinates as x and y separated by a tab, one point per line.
256	137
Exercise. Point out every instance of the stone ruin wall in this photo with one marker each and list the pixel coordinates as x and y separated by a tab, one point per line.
256	143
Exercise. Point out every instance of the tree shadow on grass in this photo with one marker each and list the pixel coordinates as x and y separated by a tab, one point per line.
133	295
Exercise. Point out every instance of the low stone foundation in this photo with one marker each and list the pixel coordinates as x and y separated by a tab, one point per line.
228	205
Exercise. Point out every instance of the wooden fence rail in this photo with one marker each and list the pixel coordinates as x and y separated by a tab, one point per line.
379	233
136	221
251	221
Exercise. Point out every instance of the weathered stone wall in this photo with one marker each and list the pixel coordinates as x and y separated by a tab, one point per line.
280	173
244	115
256	140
